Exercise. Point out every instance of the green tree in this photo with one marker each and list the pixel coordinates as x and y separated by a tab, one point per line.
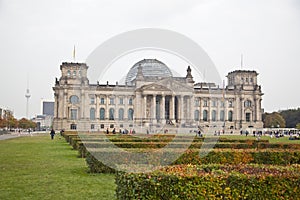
291	116
273	120
25	123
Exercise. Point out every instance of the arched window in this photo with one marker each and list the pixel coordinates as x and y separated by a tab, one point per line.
196	117
248	103
102	113
230	116
74	99
214	115
222	115
111	114
130	114
121	114
68	73
92	114
205	115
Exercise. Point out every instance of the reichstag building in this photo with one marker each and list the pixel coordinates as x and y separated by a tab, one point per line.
152	98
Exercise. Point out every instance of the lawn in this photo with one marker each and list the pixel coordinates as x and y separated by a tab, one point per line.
39	168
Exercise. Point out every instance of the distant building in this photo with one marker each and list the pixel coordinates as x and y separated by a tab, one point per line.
153	97
43	122
48	108
4	112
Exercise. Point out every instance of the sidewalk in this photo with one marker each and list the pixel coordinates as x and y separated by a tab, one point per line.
8	136
22	134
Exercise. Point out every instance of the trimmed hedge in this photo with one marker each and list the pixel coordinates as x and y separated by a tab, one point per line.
210	183
214	157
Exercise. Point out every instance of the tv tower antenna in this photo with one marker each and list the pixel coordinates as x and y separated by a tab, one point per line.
27	96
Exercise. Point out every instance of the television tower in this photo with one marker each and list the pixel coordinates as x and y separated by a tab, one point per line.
27	95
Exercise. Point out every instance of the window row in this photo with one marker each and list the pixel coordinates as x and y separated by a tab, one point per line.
75	99
74	73
213	115
111	114
214	103
112	101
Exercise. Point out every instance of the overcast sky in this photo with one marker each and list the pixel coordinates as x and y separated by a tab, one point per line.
37	36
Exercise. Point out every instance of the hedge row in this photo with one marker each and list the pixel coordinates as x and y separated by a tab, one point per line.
155	138
215	184
156	145
82	147
192	157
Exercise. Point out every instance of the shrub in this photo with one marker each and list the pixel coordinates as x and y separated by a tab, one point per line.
219	182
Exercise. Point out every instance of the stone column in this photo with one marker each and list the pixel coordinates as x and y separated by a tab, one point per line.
107	108
209	114
154	107
181	108
145	107
65	107
117	99
200	110
126	108
163	117
172	108
192	108
258	110
97	107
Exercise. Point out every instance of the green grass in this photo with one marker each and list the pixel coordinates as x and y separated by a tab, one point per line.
271	140
39	168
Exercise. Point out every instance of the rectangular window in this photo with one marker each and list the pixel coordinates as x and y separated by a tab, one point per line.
130	101
102	101
111	101
121	101
102	126
230	104
111	126
248	117
205	103
73	114
214	103
92	100
222	104
73	127
92	126
197	102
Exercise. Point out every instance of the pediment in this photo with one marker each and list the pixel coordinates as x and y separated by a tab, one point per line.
167	85
154	87
175	85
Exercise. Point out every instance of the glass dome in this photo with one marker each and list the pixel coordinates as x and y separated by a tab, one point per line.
150	68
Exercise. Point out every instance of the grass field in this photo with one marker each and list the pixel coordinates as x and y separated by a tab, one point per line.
39	168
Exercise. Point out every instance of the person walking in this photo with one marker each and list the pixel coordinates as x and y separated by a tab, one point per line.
52	133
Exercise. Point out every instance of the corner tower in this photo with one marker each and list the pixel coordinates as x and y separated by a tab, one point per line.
73	74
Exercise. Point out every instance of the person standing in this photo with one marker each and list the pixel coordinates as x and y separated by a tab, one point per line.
52	133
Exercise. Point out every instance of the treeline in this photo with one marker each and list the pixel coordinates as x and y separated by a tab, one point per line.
291	116
283	119
10	122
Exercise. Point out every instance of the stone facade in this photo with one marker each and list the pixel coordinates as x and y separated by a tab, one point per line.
155	99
